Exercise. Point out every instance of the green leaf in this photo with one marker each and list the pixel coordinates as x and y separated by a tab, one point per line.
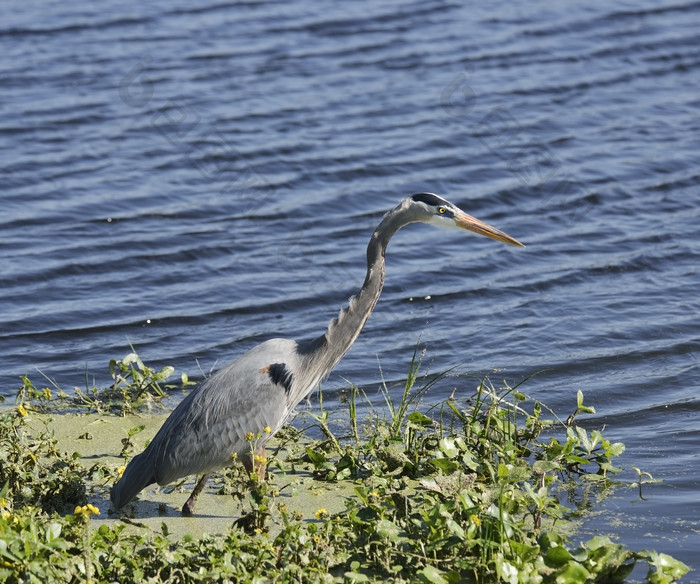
456	529
433	575
445	465
448	447
133	358
315	457
53	531
575	459
545	466
388	530
507	571
615	449
135	430
558	556
663	569
419	419
572	573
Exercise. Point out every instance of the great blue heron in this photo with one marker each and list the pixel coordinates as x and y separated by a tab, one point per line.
255	395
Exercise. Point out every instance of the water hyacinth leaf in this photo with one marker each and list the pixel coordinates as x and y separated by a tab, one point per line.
612	558
573	573
663	569
558	556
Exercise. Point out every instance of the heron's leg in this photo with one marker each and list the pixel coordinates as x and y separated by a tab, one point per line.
188	507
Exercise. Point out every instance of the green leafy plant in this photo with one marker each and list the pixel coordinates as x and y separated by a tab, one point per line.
468	490
134	385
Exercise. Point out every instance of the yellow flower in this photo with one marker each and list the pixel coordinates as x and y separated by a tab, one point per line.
86	511
267	430
249	436
120	471
5	514
47	393
259	459
475	520
321	514
21	410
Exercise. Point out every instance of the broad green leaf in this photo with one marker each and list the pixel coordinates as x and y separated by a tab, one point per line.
572	573
448	447
663	569
387	530
433	575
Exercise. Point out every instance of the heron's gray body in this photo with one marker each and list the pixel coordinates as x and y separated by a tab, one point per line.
260	389
212	425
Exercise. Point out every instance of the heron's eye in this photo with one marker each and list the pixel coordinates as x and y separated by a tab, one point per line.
442	210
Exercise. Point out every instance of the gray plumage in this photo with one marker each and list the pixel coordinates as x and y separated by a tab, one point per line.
261	388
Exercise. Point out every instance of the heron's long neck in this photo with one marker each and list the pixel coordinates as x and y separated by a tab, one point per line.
342	331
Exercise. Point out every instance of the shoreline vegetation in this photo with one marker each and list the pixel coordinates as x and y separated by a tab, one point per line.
483	489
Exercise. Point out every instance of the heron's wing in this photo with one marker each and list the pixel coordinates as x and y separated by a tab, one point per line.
228	415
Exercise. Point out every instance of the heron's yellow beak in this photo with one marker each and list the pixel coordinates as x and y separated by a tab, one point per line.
473	224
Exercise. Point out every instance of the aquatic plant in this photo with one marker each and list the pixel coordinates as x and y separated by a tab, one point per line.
468	490
134	385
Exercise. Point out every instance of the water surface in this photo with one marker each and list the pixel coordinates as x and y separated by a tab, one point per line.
194	180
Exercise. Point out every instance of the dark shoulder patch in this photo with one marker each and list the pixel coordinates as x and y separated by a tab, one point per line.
428	199
280	375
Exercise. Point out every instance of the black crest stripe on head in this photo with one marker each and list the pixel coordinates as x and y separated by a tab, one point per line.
428	199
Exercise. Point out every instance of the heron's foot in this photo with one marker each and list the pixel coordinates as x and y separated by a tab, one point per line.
188	507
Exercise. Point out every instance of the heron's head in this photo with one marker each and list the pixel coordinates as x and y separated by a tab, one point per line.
437	211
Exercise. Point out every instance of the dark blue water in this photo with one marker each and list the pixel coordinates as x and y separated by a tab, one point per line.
193	180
